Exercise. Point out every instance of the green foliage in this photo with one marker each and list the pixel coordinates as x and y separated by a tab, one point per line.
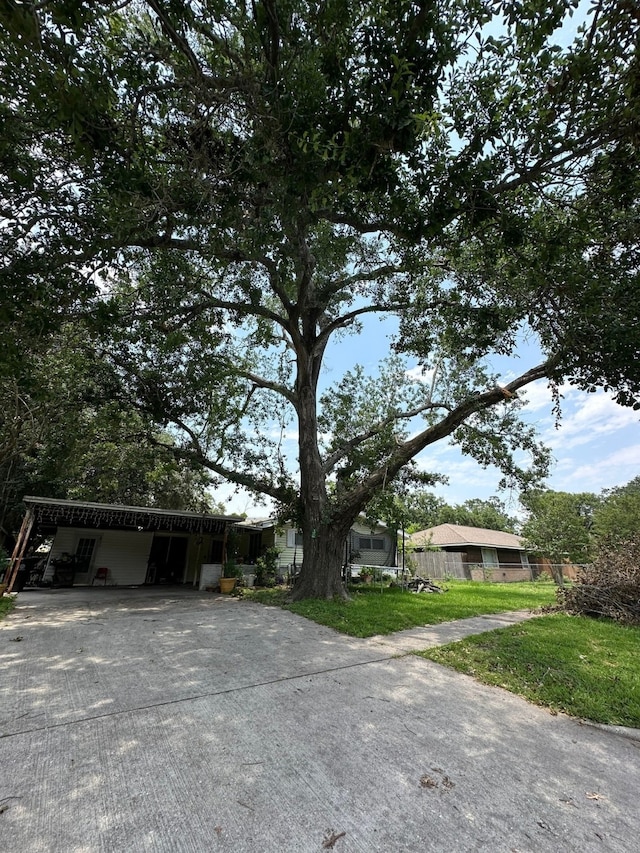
6	605
491	514
559	525
375	574
230	569
475	512
571	664
267	567
68	431
418	510
618	515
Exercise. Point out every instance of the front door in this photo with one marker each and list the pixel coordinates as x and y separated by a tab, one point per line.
167	559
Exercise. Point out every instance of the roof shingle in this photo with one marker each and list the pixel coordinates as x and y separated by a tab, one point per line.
458	534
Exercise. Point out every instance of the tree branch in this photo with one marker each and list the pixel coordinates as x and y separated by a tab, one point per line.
178	40
357	440
407	450
248	309
253	483
268	385
348	318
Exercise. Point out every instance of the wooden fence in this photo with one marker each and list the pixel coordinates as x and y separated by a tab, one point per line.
441	564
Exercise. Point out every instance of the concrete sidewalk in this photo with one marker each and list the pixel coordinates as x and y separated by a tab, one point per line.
165	720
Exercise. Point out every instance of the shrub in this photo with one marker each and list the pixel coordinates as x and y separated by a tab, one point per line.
610	586
266	567
5	559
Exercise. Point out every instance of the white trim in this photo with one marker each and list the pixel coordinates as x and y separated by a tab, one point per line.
490	556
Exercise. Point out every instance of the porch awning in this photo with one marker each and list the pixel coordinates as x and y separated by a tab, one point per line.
51	513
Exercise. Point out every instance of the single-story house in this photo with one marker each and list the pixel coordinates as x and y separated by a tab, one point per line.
481	552
366	545
119	545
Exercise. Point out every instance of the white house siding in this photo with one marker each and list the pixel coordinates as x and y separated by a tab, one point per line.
370	556
288	551
123	553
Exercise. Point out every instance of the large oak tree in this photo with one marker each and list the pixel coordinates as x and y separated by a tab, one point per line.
223	189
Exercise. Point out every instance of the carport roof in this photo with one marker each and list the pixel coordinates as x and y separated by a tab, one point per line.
55	512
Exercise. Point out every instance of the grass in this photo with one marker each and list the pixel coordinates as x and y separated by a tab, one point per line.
6	604
384	611
584	667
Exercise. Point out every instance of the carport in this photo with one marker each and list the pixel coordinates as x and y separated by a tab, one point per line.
118	545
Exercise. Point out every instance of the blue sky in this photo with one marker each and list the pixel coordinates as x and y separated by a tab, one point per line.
596	445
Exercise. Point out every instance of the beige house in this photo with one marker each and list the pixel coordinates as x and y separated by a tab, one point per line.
480	552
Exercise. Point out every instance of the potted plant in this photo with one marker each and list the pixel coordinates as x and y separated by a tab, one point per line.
231	573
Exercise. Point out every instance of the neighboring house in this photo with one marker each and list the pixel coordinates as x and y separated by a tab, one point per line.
365	546
480	552
122	545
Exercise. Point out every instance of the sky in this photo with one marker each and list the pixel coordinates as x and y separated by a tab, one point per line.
595	446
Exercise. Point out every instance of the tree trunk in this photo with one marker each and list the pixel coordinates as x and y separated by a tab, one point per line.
323	536
557	573
322	561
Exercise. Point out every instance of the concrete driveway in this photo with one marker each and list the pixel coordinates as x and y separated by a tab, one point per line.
164	720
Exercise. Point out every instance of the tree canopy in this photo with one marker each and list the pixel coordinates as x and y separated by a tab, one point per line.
419	510
221	190
66	432
575	527
617	518
559	525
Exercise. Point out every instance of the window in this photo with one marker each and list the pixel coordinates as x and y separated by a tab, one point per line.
84	553
489	557
370	543
294	539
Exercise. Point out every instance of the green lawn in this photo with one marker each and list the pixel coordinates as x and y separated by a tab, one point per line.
6	605
587	668
384	611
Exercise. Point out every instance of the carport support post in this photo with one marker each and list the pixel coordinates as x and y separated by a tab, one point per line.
21	547
225	536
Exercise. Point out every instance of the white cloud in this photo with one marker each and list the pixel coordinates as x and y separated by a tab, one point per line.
287	435
615	469
538	395
589	417
467	478
421	374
